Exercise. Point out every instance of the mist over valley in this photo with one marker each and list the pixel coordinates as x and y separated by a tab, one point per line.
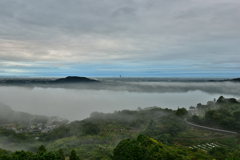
76	101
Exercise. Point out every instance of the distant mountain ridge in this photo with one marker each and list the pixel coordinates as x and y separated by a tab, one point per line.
46	81
4	108
227	80
7	115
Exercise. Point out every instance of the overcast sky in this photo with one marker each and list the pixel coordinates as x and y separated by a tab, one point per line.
142	38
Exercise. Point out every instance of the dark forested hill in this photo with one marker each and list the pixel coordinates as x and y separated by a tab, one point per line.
45	81
74	79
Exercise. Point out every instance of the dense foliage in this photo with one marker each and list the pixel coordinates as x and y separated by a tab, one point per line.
150	133
42	154
224	114
147	148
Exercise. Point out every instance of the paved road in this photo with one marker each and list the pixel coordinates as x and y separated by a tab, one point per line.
213	129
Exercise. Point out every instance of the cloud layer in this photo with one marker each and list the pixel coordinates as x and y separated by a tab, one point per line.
140	38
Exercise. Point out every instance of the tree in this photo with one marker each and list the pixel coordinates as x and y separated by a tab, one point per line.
21	155
196	119
192	107
209	115
228	122
128	149
219	153
236	115
51	155
41	150
90	129
151	125
232	100
164	138
199	106
174	128
221	100
73	155
61	154
181	112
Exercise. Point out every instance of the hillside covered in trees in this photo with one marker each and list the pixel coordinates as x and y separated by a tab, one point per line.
149	133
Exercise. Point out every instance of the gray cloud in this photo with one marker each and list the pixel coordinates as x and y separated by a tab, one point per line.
120	31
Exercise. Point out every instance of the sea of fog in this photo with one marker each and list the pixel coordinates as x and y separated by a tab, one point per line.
114	95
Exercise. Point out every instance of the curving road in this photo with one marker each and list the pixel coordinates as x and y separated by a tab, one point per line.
213	129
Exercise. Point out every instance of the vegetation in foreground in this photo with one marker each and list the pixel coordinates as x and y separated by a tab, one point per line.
150	133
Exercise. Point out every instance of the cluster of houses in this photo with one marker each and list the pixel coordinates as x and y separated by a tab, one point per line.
42	128
38	128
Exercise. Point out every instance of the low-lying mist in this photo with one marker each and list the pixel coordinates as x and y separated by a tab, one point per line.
78	103
173	87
